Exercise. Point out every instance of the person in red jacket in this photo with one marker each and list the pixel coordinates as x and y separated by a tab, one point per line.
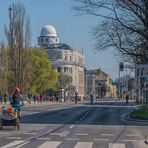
17	101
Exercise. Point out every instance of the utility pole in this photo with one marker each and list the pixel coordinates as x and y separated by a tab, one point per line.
121	68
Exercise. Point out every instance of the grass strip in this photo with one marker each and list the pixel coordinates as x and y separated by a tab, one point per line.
141	113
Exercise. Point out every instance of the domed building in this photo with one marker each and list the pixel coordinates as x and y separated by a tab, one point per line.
65	60
48	37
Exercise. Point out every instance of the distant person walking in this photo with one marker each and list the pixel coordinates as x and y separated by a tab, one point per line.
76	97
127	98
91	99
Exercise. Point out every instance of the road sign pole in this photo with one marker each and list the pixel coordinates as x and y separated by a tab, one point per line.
119	86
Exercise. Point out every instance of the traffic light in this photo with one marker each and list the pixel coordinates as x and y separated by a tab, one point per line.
121	66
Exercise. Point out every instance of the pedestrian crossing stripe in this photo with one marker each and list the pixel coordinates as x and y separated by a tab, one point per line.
52	144
13	144
116	145
83	145
55	144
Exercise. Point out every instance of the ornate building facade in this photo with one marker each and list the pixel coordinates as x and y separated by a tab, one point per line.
64	58
99	84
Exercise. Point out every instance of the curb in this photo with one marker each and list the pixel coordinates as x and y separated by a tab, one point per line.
127	117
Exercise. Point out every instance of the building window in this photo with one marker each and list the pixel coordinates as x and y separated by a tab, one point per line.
142	71
70	58
41	40
66	58
138	72
46	40
59	69
64	69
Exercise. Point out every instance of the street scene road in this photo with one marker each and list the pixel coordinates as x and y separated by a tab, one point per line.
66	125
74	74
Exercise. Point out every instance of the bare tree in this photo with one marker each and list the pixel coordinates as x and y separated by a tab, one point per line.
124	25
3	68
18	37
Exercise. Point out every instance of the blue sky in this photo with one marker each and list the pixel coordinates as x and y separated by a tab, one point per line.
71	29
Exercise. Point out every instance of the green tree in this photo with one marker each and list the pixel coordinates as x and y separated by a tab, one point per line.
18	39
3	68
64	80
41	76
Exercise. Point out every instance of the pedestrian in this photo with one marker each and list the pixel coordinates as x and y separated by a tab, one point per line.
35	99
127	98
29	97
91	99
5	98
1	99
57	98
76	97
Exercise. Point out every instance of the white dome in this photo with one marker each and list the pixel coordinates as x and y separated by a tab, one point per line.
48	30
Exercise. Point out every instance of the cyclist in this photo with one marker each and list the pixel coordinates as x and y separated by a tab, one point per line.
16	100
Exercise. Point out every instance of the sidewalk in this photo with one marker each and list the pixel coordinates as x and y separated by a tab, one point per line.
32	104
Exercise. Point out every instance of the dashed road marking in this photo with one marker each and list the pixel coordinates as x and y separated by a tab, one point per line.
43	138
64	133
3	133
131	135
29	133
81	134
55	134
13	138
107	134
128	140
101	139
71	126
72	139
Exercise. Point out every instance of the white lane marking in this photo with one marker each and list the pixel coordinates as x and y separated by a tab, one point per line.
72	139
13	138
64	133
3	133
13	144
128	140
71	126
107	134
51	144
81	134
116	145
55	134
83	145
43	138
101	139
131	135
108	106
29	133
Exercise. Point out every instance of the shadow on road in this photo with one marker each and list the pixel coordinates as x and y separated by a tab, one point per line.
83	115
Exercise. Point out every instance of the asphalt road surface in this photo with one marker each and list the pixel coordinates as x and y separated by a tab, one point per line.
66	125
